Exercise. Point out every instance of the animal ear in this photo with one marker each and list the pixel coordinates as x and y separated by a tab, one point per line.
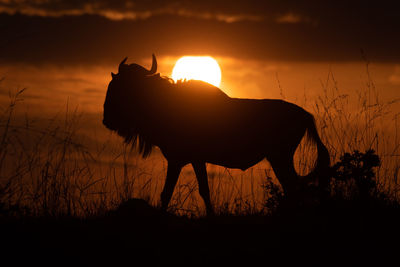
113	75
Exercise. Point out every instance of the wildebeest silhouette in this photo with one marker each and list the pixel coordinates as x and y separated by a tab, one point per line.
193	122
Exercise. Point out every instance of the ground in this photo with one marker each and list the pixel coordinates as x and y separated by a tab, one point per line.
136	234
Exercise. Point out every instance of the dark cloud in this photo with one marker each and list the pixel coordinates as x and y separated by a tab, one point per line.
228	11
97	31
123	9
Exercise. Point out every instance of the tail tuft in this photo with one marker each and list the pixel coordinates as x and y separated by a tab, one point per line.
321	171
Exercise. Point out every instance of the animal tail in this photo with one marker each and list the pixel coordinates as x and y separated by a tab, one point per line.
321	170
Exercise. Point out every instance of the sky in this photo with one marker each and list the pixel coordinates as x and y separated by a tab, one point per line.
92	32
65	50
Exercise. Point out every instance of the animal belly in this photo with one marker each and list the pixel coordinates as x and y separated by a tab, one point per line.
237	162
229	151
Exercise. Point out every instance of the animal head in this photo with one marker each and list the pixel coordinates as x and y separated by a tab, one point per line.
125	100
124	87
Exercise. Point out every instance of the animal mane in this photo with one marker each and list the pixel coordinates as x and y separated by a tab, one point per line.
133	134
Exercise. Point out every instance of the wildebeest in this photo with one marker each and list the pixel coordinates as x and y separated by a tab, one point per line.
193	122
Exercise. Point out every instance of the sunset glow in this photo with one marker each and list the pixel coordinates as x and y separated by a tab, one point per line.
197	68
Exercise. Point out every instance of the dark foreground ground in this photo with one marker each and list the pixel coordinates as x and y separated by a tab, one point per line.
335	234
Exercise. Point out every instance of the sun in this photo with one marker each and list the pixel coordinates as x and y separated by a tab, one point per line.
202	68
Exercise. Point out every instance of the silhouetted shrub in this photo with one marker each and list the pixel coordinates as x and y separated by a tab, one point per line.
355	174
274	195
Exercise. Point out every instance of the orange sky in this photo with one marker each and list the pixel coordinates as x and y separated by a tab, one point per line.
85	85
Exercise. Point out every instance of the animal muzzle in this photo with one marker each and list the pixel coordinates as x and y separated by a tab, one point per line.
109	125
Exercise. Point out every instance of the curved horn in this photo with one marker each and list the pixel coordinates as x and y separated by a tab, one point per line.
153	65
121	64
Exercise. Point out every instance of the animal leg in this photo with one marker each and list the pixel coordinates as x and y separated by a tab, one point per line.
286	174
202	179
173	171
